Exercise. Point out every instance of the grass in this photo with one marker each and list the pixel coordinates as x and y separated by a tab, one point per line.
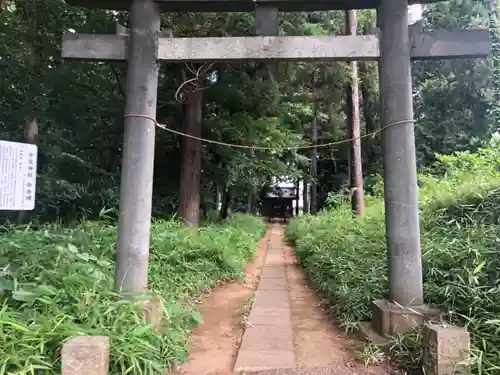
345	256
57	282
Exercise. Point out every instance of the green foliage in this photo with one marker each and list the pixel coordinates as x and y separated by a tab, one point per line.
455	96
344	256
57	282
494	110
79	105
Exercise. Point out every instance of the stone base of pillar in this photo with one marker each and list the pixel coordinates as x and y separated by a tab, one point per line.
446	348
389	319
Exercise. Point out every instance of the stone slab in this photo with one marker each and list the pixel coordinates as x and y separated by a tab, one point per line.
267	338
275	248
270	317
273	284
389	319
426	45
446	349
274	258
85	355
275	244
277	255
272	299
250	361
273	272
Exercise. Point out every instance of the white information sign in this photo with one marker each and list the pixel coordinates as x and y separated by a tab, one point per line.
17	176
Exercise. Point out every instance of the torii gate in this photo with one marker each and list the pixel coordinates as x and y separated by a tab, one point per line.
394	45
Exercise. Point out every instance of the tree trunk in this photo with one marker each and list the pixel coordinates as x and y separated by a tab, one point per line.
369	109
189	206
33	89
354	126
30	136
305	198
314	162
219	191
297	187
226	203
250	201
370	104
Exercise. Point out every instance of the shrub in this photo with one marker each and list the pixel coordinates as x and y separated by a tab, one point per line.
57	282
345	256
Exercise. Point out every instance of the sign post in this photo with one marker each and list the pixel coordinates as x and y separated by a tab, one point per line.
17	176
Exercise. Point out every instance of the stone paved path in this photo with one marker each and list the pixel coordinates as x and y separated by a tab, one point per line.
287	331
268	339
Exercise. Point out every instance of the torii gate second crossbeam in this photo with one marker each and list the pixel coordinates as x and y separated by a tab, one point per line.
394	47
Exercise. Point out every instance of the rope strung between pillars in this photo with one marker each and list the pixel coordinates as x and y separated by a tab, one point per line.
264	148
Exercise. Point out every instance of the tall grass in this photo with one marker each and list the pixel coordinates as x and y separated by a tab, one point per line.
345	256
57	282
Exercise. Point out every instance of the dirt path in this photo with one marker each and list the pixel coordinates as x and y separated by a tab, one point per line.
287	332
319	345
213	346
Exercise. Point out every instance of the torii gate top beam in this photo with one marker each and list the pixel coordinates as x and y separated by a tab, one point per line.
242	5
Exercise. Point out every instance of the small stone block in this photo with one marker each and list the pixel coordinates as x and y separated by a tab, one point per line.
85	355
389	319
446	349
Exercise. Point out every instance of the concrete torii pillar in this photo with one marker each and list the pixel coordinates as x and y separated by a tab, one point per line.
136	188
405	308
398	146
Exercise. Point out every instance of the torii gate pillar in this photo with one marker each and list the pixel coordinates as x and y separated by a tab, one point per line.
132	253
398	146
405	308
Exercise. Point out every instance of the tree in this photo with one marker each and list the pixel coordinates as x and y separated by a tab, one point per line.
355	164
79	109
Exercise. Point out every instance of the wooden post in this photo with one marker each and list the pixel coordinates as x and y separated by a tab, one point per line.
297	189
131	277
189	197
314	160
305	197
30	136
354	126
398	145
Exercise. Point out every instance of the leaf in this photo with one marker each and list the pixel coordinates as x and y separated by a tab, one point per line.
24	295
197	317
